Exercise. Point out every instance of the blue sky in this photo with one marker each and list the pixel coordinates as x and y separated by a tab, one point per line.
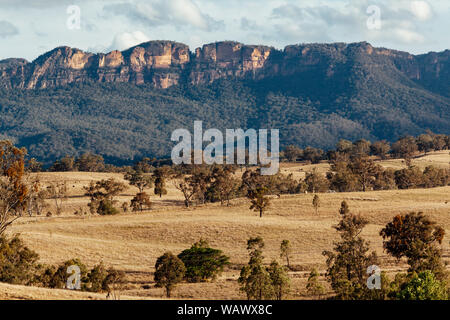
29	28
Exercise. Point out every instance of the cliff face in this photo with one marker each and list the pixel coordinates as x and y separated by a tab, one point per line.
167	63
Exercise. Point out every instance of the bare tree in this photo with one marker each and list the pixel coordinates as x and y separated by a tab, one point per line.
58	192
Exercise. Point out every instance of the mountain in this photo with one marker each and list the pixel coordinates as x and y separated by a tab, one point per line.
124	105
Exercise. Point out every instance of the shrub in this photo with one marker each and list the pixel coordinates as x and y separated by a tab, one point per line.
106	207
58	278
17	262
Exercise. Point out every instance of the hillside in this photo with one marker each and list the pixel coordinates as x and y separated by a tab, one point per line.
124	105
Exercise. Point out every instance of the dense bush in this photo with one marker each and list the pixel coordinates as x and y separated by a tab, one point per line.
202	262
18	264
423	286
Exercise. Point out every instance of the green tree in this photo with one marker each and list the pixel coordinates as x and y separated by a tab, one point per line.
254	279
348	262
313	286
17	261
102	195
285	251
160	175
423	286
259	201
203	262
281	282
169	271
139	179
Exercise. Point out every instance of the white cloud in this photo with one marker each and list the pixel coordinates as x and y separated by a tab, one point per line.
126	40
407	36
7	29
178	13
421	10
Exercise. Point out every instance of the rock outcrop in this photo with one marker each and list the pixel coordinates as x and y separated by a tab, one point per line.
167	63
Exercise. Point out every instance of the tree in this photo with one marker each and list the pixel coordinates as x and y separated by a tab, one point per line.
316	203
90	163
223	186
139	179
292	153
425	143
188	190
34	166
13	189
203	262
316	182
423	286
405	148
200	181
366	170
145	166
285	251
415	237
58	192
259	201
280	280
36	197
342	179
64	164
344	146
312	154
409	178
348	262
102	195
160	175
141	201
313	286
254	279
361	148
169	271
380	148
113	283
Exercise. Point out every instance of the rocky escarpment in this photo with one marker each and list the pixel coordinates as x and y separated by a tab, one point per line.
166	63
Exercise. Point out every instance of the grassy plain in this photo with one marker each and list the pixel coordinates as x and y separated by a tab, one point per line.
132	241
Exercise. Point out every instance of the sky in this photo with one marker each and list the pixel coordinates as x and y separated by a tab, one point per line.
29	28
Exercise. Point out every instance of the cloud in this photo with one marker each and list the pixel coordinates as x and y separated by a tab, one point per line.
7	29
127	40
421	10
179	13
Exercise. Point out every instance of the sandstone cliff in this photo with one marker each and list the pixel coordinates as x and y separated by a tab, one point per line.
166	63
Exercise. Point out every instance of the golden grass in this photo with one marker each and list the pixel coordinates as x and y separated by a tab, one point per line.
132	242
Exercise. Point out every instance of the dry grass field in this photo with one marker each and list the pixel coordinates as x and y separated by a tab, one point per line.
132	241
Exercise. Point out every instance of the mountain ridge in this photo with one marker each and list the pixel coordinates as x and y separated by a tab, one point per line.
124	105
164	63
